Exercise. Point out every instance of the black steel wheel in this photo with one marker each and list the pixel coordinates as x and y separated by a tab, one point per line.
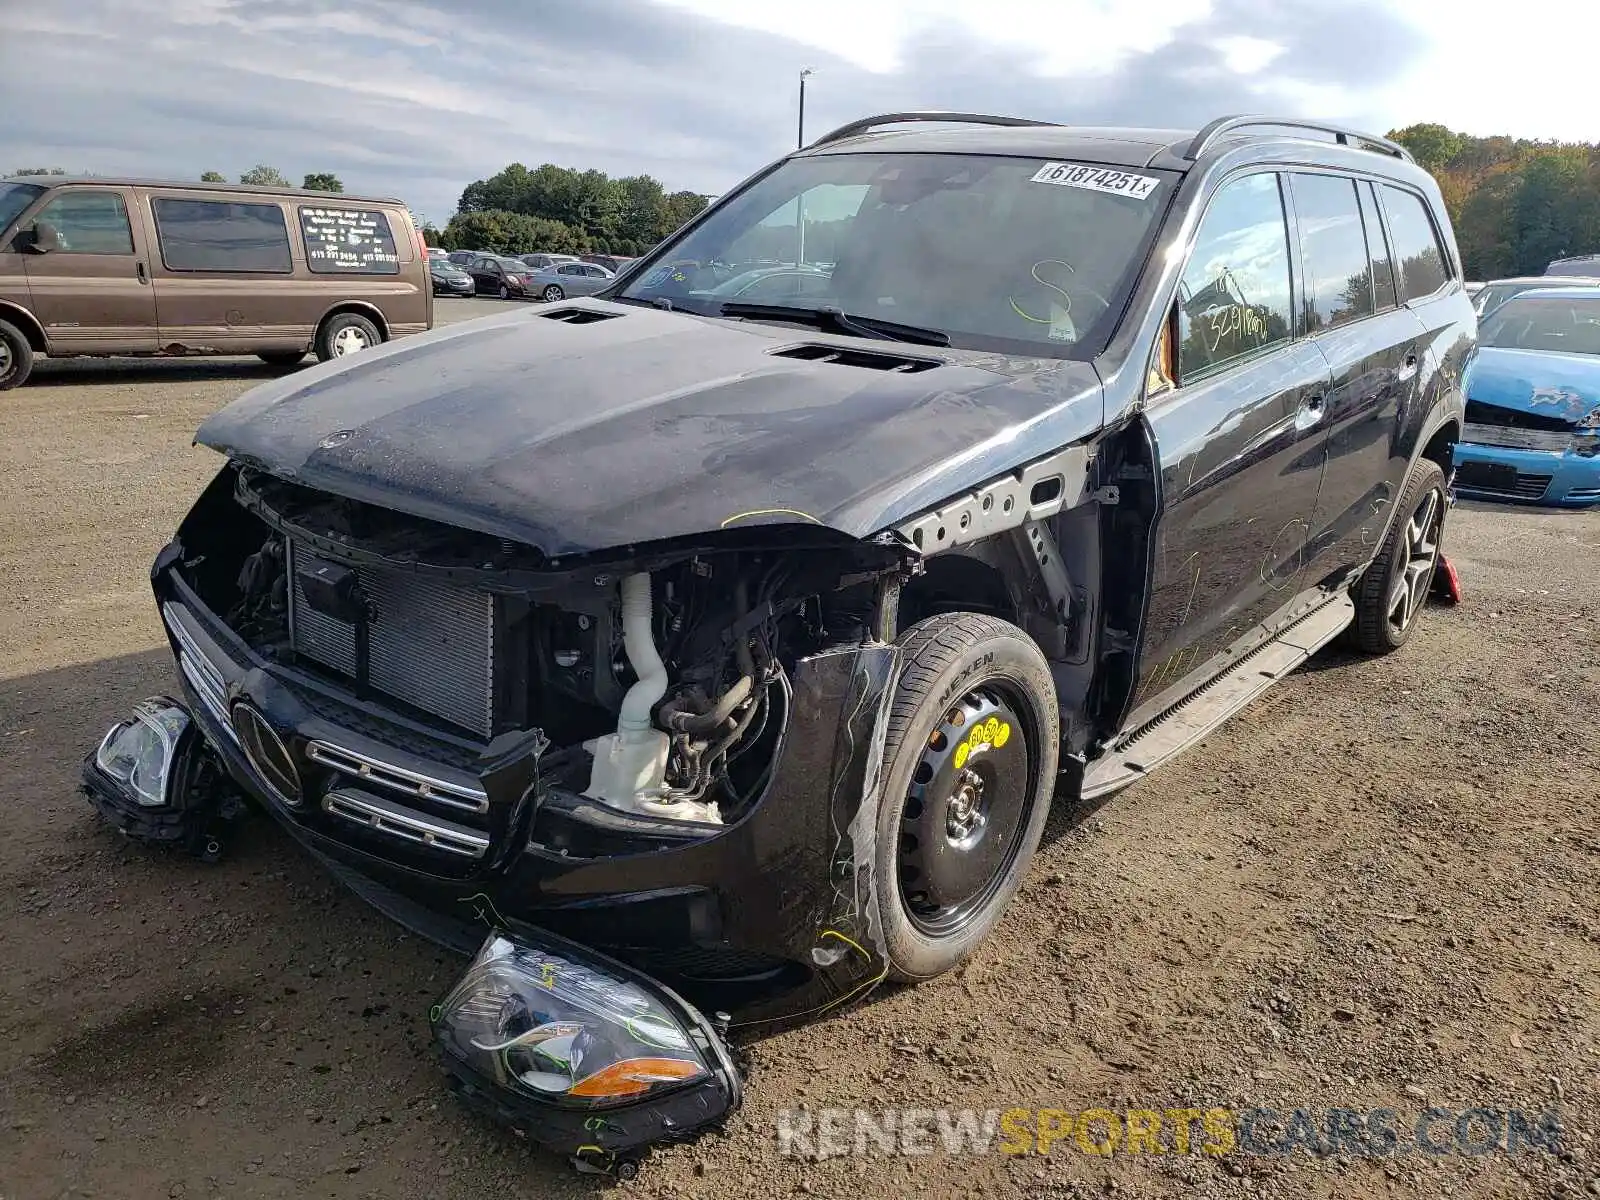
970	759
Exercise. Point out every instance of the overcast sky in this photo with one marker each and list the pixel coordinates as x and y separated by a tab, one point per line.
419	97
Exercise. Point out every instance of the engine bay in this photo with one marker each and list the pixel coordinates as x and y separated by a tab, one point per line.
661	679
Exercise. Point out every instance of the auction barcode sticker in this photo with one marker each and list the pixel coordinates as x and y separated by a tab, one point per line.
1096	179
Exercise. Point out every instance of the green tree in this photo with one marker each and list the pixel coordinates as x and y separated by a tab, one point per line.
322	181
498	231
262	175
213	177
431	236
623	215
1432	145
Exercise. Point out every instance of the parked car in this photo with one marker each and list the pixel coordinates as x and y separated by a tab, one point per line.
438	252
540	261
1587	265
462	257
1495	293
611	262
568	279
494	275
725	657
92	267
1533	401
775	283
449	279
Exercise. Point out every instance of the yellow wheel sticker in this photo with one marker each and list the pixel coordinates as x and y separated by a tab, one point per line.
986	735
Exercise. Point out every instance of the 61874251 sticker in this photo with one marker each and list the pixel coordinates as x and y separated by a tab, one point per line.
1096	179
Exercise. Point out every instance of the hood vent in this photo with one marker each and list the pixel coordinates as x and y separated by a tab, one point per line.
872	360
579	316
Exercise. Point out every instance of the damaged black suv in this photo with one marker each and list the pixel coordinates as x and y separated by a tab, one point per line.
720	642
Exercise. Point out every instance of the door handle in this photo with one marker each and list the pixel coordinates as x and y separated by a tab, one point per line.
143	278
1311	409
1407	371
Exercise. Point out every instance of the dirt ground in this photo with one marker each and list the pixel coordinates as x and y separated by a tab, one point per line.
1375	889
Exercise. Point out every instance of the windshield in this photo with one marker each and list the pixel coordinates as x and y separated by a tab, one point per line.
14	197
1010	254
1566	325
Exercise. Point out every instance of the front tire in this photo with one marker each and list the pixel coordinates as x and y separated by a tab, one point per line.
970	755
345	334
505	292
1391	594
16	357
552	294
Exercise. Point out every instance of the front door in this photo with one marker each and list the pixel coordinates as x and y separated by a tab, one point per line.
1238	441
91	291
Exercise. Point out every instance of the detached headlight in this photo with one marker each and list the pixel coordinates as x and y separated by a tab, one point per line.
550	1028
138	753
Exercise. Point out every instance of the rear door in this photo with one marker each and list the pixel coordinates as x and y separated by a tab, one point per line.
224	274
92	293
1373	346
1238	443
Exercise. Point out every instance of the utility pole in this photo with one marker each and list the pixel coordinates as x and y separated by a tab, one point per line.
800	200
800	140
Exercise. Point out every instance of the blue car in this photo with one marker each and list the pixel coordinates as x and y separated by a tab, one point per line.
1533	401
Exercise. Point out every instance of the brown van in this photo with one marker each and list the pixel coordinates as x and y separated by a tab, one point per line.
113	266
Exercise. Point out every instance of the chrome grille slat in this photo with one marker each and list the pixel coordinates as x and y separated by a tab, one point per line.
382	816
414	784
1511	437
431	644
206	680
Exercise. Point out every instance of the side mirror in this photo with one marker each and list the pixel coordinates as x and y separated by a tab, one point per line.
44	239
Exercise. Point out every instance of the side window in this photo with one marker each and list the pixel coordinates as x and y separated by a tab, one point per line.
348	241
595	272
1233	299
1383	288
570	269
1423	265
221	235
1338	275
89	223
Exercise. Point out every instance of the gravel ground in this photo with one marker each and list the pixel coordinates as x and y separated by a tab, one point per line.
1375	889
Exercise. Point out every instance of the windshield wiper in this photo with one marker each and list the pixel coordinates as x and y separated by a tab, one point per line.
829	317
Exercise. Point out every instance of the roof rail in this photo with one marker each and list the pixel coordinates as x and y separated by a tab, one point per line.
955	118
1345	137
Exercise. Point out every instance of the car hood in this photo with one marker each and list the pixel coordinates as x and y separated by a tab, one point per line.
1565	386
639	425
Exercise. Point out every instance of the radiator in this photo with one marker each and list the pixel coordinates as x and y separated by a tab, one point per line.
430	643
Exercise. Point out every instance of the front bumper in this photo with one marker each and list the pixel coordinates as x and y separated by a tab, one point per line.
1565	479
767	919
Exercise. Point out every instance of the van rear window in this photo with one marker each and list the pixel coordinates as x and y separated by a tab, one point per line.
221	235
348	241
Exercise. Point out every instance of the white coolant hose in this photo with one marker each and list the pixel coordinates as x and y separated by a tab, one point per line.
638	641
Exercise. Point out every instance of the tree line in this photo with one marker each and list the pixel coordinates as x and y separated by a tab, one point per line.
1516	204
562	210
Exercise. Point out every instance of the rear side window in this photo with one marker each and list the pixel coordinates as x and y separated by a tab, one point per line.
1338	276
1416	243
348	241
1234	295
89	223
1383	288
221	235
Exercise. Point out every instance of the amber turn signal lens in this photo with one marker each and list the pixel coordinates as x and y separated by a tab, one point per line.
634	1075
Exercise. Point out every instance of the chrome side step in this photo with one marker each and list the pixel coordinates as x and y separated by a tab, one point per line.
1192	719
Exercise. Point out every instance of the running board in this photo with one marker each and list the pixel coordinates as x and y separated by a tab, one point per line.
1192	719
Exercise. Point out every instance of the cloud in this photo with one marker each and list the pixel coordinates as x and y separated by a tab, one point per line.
419	97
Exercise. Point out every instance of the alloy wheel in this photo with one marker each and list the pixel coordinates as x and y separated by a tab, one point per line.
1420	555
